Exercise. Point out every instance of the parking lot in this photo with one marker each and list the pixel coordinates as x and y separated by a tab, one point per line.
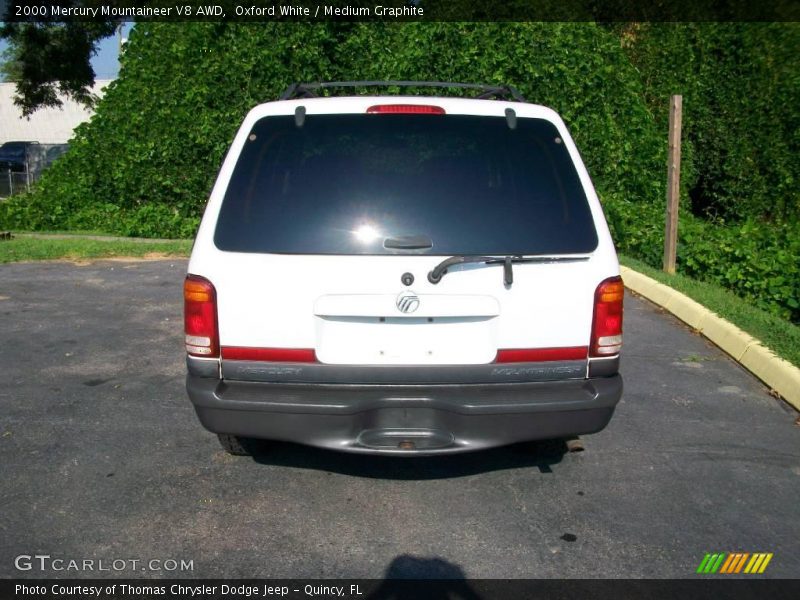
103	458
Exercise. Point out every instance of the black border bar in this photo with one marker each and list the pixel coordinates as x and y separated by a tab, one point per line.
400	10
730	588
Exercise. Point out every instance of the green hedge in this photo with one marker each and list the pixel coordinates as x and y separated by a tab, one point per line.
756	261
741	118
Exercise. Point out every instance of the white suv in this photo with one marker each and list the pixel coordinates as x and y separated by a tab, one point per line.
403	275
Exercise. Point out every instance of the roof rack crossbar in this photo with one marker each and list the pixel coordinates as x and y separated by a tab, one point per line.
308	90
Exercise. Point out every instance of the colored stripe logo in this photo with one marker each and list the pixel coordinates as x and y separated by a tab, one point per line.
734	562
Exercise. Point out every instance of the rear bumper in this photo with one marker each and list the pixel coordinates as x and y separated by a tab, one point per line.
405	419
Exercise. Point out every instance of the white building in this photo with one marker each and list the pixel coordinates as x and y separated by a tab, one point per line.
46	125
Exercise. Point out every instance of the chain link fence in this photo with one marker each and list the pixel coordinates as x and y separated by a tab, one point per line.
18	176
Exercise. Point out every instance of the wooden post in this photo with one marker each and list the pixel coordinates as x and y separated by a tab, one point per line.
673	183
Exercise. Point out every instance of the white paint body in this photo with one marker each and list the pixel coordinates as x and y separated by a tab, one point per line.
344	307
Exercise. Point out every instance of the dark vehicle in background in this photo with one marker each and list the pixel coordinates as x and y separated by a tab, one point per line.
14	156
22	163
53	152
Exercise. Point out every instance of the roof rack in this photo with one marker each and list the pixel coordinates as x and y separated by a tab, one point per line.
309	90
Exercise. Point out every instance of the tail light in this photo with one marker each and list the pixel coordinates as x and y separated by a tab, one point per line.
269	354
405	109
541	354
607	320
200	317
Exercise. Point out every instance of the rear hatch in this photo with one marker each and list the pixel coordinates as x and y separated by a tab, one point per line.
326	210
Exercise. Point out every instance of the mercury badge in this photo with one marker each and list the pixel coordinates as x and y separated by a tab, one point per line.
407	302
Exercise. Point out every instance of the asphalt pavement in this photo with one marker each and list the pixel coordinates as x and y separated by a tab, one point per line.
102	458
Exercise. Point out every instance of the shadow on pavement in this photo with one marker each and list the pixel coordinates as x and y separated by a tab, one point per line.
448	581
541	455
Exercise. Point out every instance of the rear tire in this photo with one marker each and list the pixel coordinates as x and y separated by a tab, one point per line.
235	445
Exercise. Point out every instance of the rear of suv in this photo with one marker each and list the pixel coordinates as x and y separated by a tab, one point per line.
403	275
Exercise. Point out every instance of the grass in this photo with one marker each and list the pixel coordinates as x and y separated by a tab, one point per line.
29	248
779	335
74	232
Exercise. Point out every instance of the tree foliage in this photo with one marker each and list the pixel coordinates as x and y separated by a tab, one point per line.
46	59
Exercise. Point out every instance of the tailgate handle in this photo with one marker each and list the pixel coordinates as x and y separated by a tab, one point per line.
408	242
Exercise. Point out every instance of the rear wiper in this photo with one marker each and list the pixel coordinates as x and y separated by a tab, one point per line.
435	276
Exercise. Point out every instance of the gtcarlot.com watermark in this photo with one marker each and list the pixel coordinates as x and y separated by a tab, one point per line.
46	562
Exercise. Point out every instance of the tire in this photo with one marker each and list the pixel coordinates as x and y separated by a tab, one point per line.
235	445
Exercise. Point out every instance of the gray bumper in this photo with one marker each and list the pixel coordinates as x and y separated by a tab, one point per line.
405	419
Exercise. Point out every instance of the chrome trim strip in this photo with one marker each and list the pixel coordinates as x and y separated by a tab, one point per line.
604	367
402	374
203	367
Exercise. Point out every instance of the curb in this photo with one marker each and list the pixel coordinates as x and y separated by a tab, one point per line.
778	374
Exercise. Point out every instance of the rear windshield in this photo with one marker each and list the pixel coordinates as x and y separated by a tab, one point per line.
12	150
350	184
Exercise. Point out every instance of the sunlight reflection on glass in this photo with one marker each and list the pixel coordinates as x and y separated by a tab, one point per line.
366	234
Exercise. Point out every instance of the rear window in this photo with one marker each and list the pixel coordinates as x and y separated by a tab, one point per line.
12	151
343	184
